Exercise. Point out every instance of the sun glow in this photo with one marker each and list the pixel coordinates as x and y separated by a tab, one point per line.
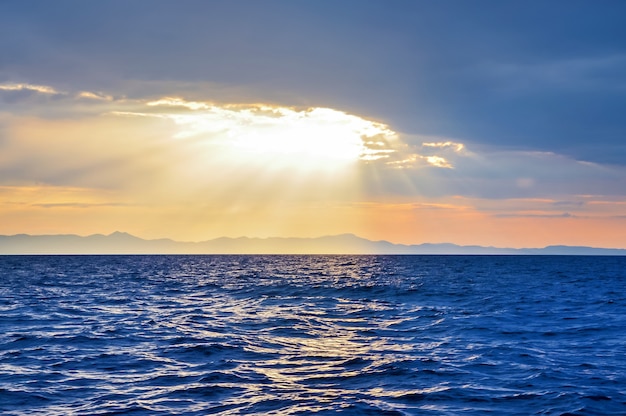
194	168
84	162
311	139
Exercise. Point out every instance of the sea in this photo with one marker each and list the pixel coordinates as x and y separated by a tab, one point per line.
312	335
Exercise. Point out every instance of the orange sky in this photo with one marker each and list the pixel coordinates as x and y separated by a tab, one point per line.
195	170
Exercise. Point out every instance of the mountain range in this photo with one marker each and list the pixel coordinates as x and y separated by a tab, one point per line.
124	243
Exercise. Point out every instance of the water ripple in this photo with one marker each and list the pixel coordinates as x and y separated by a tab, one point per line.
304	335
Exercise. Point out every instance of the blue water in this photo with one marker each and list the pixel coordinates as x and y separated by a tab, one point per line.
302	335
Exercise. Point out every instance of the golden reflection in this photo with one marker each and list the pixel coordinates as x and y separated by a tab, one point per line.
319	353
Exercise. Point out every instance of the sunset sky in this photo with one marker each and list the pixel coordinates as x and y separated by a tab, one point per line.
471	122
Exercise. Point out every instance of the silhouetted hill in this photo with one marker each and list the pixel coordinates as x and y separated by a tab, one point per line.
124	243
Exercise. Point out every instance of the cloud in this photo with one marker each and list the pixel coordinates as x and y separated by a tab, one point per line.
457	147
574	204
47	101
439	154
178	102
262	129
48	196
518	215
42	89
49	90
94	96
493	174
599	72
438	161
103	141
415	161
524	88
167	150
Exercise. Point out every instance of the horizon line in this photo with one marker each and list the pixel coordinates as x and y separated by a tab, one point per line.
399	245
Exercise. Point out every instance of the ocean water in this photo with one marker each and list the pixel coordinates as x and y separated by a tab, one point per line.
304	335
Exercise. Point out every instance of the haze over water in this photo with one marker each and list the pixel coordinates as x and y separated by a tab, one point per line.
405	335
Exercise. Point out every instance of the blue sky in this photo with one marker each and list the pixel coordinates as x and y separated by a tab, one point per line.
534	90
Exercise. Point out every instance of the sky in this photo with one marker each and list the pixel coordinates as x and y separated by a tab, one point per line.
485	122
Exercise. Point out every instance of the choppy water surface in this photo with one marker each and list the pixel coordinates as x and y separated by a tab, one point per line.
160	335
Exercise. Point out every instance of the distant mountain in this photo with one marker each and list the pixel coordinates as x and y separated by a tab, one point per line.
124	243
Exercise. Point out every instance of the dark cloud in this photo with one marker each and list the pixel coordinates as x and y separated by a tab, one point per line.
563	215
573	204
520	75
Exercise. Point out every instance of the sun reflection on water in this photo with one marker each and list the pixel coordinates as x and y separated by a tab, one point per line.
310	353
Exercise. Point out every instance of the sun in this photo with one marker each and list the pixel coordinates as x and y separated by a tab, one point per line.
314	139
306	140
